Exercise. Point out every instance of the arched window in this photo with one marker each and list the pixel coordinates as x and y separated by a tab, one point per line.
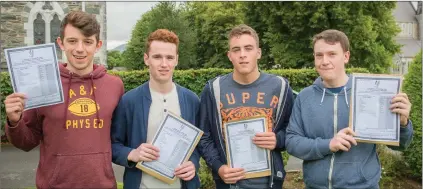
39	30
54	33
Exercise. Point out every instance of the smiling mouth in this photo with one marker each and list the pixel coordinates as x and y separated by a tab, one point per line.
79	57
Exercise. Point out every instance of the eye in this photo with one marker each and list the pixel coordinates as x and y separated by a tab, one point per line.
89	42
170	57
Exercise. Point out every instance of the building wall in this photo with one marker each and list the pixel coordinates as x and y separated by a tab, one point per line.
17	28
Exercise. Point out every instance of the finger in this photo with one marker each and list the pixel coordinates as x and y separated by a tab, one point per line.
15	104
184	170
146	156
14	99
150	151
350	139
344	143
340	146
263	142
402	112
399	105
262	138
347	131
13	109
236	179
235	170
400	99
17	95
265	134
234	174
186	176
150	146
404	95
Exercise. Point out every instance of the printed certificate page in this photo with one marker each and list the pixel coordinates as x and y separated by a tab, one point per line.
34	71
241	150
372	120
176	140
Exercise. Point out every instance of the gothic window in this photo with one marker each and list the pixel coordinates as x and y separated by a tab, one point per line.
39	30
54	33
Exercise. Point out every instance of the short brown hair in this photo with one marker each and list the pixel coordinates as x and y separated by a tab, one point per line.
333	36
85	22
162	35
241	30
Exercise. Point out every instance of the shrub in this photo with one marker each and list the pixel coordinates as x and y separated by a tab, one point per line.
413	87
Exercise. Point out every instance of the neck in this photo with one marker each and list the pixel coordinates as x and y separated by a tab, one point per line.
338	82
163	88
82	72
245	79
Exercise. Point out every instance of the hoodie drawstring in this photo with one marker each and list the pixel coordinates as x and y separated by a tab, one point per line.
323	95
67	99
95	101
346	97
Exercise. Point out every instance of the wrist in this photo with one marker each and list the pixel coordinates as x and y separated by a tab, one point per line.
12	123
404	125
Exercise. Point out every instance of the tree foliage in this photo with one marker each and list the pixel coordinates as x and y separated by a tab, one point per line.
288	29
285	30
165	15
114	59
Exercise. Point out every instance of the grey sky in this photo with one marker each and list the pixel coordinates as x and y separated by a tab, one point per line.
121	19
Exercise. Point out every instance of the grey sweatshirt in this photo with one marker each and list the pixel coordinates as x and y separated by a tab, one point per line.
316	117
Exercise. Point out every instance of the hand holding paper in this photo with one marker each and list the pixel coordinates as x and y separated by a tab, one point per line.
342	140
265	140
401	105
186	171
14	104
231	175
145	152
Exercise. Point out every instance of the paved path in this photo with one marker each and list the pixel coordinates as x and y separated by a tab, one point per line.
17	168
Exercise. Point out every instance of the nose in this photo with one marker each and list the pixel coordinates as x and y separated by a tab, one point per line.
163	62
80	47
325	60
242	53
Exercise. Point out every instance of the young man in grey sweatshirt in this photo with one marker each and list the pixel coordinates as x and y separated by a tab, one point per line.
318	129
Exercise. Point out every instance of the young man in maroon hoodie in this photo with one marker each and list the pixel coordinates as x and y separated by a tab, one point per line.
74	136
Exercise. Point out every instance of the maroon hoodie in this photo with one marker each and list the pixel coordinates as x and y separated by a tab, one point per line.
74	136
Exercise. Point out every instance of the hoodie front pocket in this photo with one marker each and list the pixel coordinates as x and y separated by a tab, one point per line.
347	175
91	170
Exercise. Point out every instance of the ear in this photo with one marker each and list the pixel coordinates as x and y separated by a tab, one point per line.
177	58
146	59
346	57
99	44
60	43
229	56
259	53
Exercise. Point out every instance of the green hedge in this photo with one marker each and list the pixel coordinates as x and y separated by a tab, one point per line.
413	88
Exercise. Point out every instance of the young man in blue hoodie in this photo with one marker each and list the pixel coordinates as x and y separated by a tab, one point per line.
318	129
140	111
244	93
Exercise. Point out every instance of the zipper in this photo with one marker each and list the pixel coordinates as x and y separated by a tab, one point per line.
273	130
335	129
218	120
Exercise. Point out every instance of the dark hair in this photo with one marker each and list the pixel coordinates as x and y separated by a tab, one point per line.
85	22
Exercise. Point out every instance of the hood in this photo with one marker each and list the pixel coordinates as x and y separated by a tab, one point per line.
319	87
98	72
